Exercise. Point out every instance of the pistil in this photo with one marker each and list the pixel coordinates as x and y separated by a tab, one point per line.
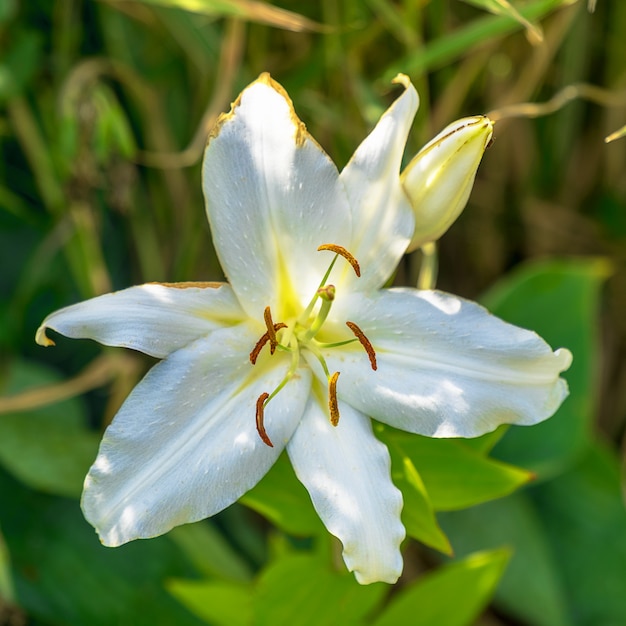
333	405
301	333
326	295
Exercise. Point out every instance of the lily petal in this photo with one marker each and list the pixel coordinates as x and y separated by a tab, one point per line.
383	221
272	196
446	366
347	472
156	319
184	445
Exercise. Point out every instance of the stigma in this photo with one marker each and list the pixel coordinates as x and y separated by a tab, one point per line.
290	337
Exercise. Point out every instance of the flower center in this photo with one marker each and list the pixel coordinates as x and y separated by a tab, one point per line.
301	334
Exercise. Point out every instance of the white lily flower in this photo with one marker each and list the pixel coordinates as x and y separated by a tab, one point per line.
301	347
440	177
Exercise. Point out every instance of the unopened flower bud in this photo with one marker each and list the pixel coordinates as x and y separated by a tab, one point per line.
439	179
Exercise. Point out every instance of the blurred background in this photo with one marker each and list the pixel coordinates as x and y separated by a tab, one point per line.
105	106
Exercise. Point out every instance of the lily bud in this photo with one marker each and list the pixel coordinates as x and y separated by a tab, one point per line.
439	179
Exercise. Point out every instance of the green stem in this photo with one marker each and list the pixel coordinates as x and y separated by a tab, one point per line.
427	278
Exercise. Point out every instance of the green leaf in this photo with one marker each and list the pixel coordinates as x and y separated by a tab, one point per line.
20	63
217	603
7	594
560	301
48	448
300	589
251	10
455	475
584	518
281	498
209	551
569	564
503	7
8	8
453	595
418	515
530	588
112	134
485	443
63	575
456	44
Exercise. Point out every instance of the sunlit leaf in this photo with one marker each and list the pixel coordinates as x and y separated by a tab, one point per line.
417	511
485	443
455	475
217	603
453	595
300	589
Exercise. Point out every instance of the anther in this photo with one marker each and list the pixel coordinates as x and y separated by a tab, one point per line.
333	407
265	337
260	406
365	342
341	251
271	333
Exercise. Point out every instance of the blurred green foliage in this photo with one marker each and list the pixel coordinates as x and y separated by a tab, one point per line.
104	110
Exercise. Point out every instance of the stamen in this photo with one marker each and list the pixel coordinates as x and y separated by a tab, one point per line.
265	337
271	333
260	406
341	251
254	355
365	342
332	399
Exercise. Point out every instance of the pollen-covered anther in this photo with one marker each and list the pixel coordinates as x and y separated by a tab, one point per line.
271	333
333	407
341	251
265	337
365	342
260	407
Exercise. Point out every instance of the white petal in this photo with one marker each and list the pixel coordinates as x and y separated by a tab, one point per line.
383	221
446	366
347	473
184	445
154	318
273	197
